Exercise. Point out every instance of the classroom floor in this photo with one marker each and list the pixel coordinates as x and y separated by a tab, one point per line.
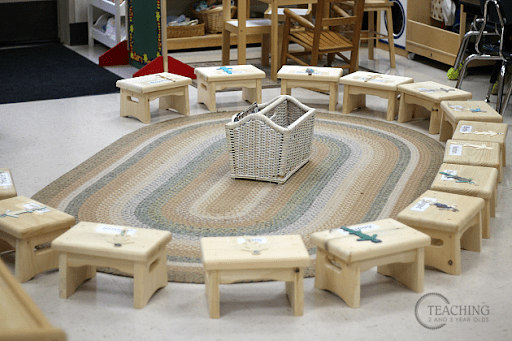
40	141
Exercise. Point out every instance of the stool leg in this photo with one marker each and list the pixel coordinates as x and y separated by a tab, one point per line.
70	278
404	110
352	101
178	102
212	292
206	94
435	121
24	261
446	256
295	292
471	239
446	129
148	278
392	105
486	220
252	94
333	95
410	274
284	88
390	38
493	203
344	281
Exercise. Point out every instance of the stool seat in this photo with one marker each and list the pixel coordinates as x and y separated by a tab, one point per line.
27	226
463	152
341	257
140	252
449	230
454	111
171	89
483	132
484	179
234	259
428	95
361	83
213	78
7	188
321	78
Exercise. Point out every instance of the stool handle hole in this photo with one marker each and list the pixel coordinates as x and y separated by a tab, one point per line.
436	242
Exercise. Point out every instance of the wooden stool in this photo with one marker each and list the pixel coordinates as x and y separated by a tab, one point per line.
20	318
140	252
485	154
483	132
25	225
484	179
172	90
361	83
341	257
427	95
449	230
234	259
7	188
211	79
321	79
454	111
373	7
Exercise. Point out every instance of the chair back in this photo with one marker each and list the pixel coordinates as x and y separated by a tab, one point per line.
335	14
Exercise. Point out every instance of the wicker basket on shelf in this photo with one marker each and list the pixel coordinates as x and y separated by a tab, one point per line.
212	18
270	141
185	31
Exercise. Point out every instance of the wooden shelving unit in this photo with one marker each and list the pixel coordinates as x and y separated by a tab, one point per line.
116	8
424	39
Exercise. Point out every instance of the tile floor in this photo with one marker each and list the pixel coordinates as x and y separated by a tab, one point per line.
40	141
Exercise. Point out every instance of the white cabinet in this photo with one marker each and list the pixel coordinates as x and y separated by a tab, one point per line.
96	32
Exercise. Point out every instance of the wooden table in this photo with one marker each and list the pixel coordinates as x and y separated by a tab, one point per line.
140	252
242	33
234	259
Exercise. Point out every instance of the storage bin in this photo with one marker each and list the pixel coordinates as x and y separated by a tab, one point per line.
270	141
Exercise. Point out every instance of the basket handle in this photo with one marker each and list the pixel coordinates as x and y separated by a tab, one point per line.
252	109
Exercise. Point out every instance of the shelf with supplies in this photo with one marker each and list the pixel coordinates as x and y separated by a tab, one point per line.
96	31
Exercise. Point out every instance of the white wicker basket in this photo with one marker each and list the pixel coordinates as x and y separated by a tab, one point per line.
272	143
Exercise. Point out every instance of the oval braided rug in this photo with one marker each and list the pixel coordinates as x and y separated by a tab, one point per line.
174	176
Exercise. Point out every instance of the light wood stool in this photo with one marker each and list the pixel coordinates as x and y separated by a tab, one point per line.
211	79
234	259
485	180
321	79
7	188
483	132
450	231
140	252
361	83
25	226
454	111
428	95
20	318
485	154
171	89
341	257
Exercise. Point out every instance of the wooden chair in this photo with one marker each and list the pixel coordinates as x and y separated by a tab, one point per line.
320	38
305	12
373	7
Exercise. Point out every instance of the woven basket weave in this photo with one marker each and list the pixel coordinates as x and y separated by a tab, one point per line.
212	18
273	143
